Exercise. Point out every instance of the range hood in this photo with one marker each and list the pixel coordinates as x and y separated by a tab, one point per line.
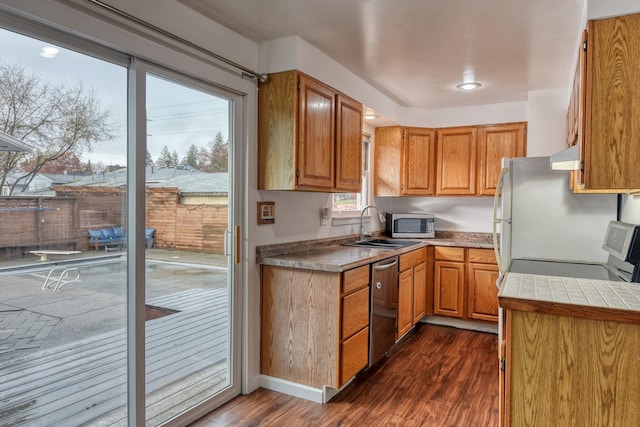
567	160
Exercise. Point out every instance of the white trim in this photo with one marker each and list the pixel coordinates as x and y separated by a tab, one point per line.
461	324
293	389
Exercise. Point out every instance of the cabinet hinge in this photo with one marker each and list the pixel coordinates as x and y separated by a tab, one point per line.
297	173
298	86
584	46
502	365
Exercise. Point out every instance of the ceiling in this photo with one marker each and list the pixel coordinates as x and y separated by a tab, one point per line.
417	51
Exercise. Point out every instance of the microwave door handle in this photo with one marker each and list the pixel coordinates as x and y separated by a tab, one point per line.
496	220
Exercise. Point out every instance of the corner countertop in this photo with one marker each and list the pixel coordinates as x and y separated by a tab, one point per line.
568	296
332	255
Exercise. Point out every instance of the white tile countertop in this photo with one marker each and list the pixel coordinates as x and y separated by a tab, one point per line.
567	295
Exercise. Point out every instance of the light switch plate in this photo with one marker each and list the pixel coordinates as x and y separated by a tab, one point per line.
266	213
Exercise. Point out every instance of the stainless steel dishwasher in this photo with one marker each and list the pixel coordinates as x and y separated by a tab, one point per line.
384	295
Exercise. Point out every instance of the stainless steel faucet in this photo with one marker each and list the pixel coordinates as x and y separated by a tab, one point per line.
380	216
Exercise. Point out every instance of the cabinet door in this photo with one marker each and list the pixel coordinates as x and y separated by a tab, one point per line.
348	145
316	135
449	289
613	101
419	292
405	304
419	149
387	160
494	143
355	312
482	292
456	161
354	355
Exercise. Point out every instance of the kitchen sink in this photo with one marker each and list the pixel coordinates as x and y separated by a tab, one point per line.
382	243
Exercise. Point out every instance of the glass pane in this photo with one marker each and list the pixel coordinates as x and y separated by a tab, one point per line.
62	254
187	280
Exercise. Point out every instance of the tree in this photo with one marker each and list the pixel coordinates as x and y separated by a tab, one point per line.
68	162
203	159
55	120
191	159
165	159
219	154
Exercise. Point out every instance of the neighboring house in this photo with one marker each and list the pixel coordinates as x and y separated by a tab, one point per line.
194	187
116	178
44	181
9	143
199	188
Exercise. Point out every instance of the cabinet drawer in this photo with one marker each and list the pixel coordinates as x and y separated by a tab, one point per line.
355	312
412	258
446	253
354	355
355	278
483	256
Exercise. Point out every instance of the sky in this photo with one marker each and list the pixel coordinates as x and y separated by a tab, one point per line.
177	115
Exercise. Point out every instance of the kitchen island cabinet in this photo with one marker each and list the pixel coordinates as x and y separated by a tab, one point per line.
309	136
569	357
314	325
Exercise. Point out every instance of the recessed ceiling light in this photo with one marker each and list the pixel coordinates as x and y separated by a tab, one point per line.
468	85
49	52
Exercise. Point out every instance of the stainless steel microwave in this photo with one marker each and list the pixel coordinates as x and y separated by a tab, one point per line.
412	225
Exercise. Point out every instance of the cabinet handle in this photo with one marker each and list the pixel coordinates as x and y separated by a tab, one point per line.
385	266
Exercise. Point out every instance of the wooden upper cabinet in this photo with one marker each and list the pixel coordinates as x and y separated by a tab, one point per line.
316	134
419	150
387	160
456	161
612	129
404	161
309	136
348	144
494	143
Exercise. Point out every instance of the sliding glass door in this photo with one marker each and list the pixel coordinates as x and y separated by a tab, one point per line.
118	293
189	209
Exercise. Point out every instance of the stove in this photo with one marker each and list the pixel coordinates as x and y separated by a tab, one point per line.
622	242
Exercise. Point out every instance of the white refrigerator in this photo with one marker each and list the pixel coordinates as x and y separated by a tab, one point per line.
537	216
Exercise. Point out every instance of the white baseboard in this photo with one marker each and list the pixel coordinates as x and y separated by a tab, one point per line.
461	324
293	389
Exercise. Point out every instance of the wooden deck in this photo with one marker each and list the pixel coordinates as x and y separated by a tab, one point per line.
85	382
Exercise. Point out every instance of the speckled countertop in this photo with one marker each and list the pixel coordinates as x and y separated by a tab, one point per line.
332	255
597	299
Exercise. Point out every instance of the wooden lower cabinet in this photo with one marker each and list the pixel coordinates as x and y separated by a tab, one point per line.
412	290
570	371
314	325
465	283
482	301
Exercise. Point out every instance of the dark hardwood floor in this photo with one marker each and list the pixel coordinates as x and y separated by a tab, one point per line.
437	376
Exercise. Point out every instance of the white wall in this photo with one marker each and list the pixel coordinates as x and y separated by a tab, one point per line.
605	8
547	122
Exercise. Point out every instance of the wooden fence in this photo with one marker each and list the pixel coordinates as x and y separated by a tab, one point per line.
62	221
